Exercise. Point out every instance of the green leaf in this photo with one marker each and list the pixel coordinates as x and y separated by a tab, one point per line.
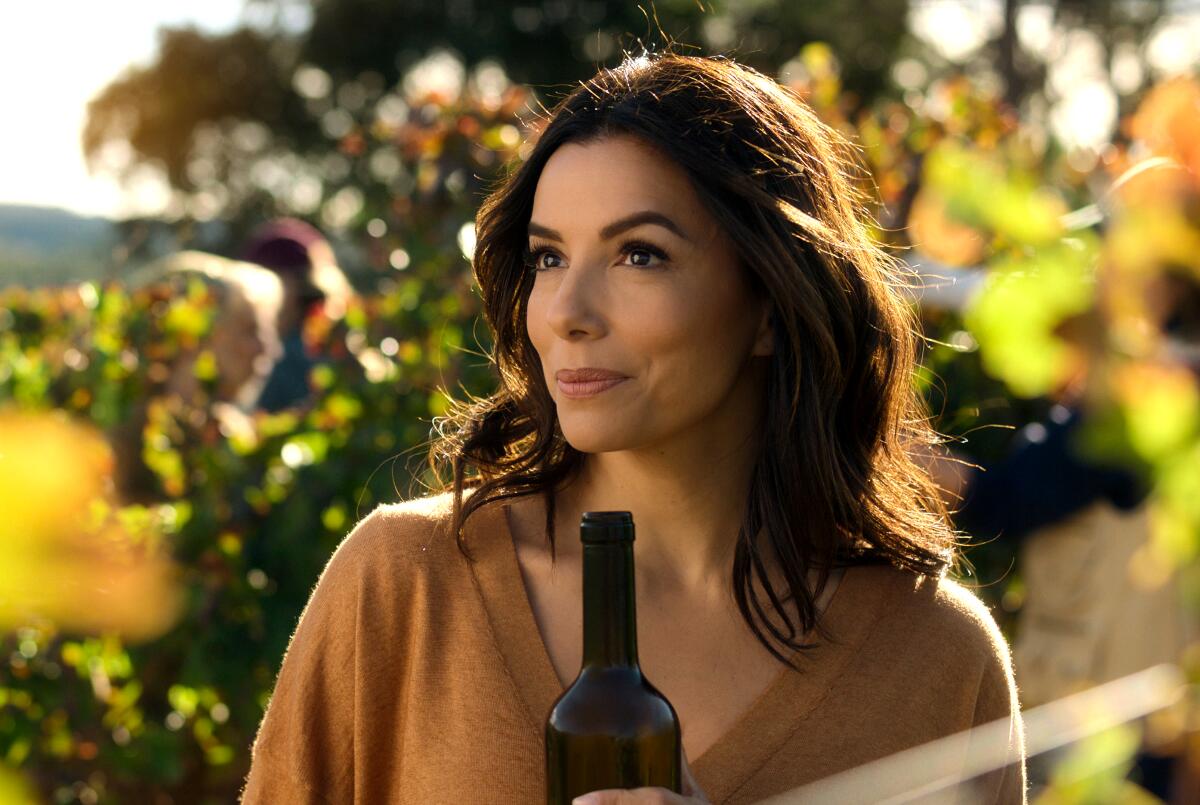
184	699
1023	300
984	193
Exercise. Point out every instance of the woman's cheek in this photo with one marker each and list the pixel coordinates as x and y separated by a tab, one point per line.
535	319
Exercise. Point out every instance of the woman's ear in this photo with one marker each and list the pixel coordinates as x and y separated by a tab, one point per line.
764	340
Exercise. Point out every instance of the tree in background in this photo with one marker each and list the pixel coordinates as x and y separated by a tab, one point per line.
1121	28
257	122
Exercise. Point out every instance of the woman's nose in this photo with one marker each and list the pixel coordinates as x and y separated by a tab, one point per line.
576	309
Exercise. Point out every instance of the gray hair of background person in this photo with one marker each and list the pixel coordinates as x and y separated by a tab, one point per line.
244	337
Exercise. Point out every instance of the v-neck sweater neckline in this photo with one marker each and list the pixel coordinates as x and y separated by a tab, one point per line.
758	733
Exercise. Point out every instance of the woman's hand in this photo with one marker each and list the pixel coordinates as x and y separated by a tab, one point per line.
692	793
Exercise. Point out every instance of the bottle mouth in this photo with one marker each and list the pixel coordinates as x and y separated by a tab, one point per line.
600	528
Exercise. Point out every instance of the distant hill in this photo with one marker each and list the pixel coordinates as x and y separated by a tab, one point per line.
49	229
45	245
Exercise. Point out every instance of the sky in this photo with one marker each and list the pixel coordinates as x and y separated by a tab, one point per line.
57	54
54	56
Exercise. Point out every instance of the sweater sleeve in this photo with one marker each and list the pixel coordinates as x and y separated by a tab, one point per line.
304	751
998	707
997	736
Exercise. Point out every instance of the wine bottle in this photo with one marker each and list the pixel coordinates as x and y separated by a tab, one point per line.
611	728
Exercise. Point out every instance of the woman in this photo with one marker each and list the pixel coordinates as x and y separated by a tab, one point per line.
691	323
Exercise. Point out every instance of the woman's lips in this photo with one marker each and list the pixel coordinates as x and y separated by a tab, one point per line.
580	383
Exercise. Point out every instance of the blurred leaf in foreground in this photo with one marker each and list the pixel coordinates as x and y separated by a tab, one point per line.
1025	300
983	192
1166	121
1094	770
1162	407
14	790
68	554
941	237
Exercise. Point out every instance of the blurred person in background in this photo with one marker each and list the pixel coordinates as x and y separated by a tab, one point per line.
216	376
313	284
244	336
1096	605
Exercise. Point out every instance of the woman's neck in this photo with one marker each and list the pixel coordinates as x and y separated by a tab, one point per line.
687	502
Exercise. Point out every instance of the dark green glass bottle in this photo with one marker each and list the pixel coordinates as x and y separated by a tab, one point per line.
611	728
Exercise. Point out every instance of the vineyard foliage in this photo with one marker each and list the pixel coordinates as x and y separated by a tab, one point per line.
143	636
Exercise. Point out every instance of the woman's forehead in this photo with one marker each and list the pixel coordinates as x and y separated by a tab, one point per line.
611	175
620	153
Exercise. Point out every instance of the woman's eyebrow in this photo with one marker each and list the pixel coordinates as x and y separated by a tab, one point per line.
618	226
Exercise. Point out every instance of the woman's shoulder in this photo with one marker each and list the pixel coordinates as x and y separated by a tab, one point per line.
398	536
941	615
416	515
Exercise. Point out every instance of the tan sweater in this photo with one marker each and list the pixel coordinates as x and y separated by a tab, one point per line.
417	677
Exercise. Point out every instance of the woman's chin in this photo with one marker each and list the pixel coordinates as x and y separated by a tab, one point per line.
591	445
596	440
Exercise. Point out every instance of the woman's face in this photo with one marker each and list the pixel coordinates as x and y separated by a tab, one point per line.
635	279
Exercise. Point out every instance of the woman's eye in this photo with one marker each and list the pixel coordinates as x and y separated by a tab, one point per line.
637	255
643	255
537	259
640	257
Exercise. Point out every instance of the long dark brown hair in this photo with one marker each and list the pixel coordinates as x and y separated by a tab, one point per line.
834	481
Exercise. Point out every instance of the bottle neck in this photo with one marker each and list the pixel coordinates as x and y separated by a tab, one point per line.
609	609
